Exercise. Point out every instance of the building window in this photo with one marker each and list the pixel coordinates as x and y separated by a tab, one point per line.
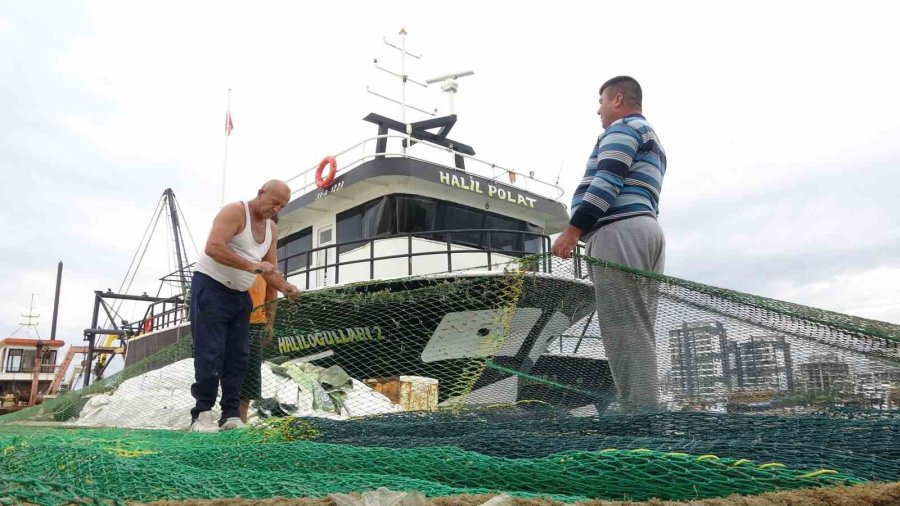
14	361
293	250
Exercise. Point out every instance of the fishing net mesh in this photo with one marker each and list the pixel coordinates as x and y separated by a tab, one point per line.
528	378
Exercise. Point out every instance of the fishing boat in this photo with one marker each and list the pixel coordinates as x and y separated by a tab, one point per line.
407	209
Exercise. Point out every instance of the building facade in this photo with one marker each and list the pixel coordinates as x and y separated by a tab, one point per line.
17	363
698	354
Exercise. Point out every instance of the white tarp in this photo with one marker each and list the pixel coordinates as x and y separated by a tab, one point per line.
161	399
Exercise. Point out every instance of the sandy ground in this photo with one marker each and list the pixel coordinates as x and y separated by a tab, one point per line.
870	494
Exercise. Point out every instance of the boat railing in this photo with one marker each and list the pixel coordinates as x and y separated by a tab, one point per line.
359	153
329	260
165	313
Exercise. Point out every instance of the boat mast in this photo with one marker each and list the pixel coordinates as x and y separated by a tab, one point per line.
169	195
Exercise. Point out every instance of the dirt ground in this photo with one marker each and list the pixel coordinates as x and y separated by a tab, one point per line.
869	494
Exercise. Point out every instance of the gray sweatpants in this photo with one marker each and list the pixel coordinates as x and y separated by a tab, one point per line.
626	306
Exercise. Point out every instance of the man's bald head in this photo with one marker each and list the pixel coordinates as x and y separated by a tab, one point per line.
272	197
274	184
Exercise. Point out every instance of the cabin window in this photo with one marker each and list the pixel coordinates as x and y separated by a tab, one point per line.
456	217
23	361
504	241
372	219
292	250
48	361
14	361
533	242
378	219
415	214
407	214
350	227
27	361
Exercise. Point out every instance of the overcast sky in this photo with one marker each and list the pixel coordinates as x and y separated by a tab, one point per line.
781	123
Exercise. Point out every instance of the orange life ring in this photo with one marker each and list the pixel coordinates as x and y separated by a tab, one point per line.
326	181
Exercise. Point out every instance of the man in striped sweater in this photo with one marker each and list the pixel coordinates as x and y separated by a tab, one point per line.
614	212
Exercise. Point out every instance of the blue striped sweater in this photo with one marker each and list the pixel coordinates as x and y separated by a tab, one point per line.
624	175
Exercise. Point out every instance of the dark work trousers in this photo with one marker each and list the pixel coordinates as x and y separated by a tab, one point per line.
220	322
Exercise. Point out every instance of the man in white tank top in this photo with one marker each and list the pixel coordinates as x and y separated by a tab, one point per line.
241	245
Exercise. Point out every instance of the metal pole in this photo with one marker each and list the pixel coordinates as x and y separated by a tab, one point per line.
449	254
403	75
337	265
56	301
408	142
90	339
408	255
372	259
308	267
170	197
583	332
109	315
225	160
38	358
488	233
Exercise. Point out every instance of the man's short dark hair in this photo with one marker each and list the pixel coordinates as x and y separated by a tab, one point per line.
628	87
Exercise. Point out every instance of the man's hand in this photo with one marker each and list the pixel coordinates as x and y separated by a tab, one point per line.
291	292
263	268
566	242
267	338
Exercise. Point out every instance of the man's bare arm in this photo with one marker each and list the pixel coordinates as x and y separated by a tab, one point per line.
225	226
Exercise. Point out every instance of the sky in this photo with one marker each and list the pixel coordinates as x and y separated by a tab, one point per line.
780	122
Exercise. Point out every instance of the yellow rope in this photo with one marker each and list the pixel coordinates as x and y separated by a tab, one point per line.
818	473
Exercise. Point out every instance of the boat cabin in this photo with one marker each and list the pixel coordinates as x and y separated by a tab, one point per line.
414	204
17	364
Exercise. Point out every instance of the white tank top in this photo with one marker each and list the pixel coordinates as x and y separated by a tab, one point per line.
243	245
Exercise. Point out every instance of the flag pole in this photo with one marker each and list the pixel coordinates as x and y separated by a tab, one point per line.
228	128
